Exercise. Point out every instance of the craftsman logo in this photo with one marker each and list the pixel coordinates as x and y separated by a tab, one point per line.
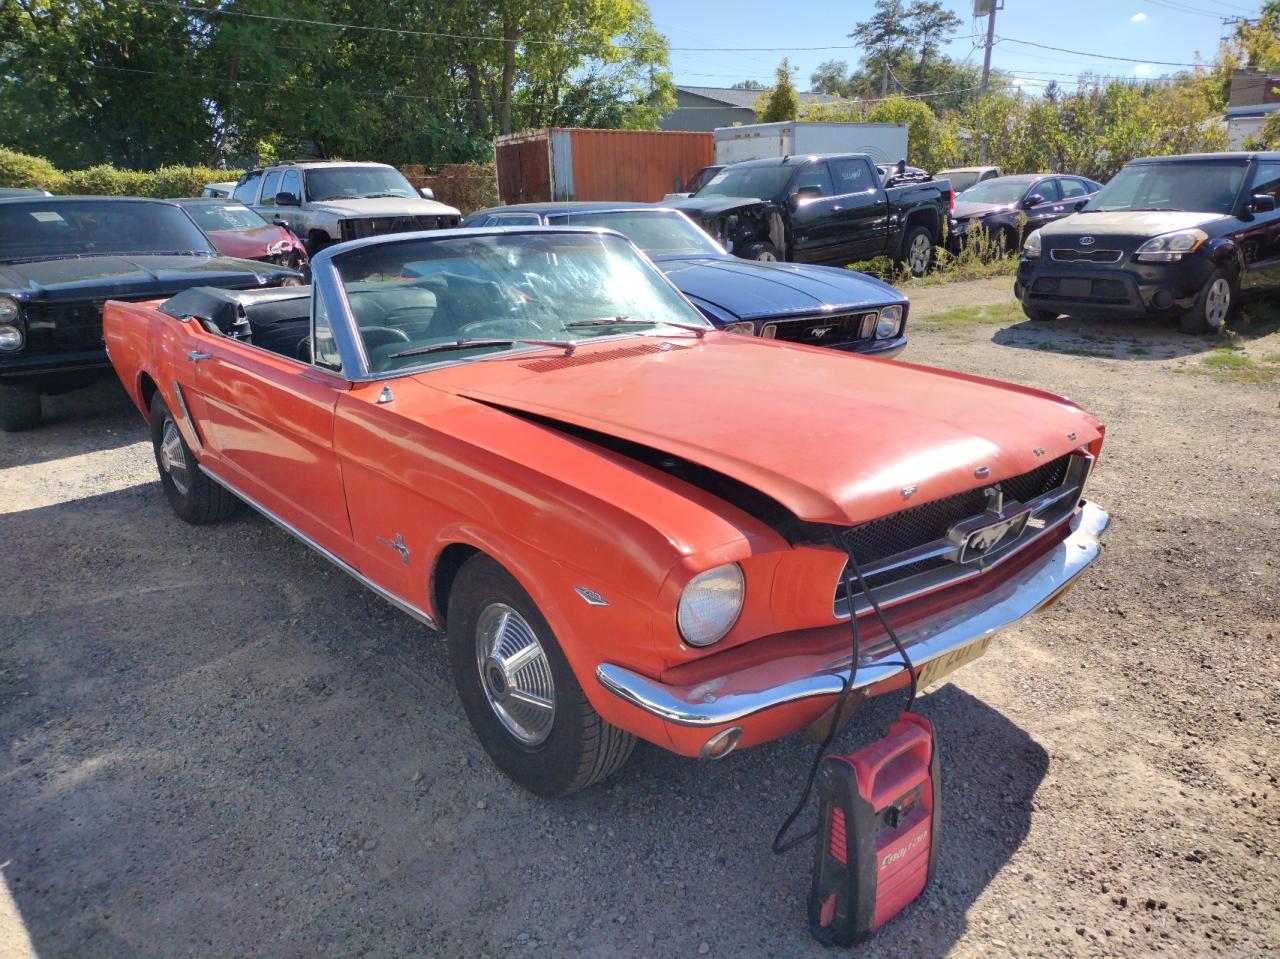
897	854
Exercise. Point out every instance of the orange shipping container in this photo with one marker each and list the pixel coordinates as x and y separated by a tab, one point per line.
582	164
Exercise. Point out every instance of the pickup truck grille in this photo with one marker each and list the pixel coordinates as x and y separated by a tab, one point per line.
356	229
909	552
823	330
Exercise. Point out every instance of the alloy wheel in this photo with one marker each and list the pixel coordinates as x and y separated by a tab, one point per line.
173	458
515	674
918	256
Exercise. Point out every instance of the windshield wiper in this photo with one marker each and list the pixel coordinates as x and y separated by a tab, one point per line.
567	345
701	331
376	196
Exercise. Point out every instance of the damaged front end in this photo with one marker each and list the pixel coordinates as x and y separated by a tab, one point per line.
749	228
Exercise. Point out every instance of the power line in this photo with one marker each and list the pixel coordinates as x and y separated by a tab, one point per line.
1100	56
1182	8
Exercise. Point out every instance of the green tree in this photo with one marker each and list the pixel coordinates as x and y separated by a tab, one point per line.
782	102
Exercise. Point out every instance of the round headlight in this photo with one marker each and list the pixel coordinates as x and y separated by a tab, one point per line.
11	337
9	309
710	604
888	323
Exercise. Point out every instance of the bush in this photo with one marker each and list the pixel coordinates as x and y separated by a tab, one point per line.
467	186
19	169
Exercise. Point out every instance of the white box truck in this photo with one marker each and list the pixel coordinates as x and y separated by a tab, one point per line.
885	142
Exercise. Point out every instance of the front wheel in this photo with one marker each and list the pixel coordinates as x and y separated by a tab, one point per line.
1040	316
918	250
518	690
760	251
196	499
19	407
1213	305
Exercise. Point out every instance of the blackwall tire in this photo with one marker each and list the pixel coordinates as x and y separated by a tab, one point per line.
761	252
918	250
500	644
195	498
1213	305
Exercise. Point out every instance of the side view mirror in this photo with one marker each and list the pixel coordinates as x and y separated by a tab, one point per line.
1262	203
287	199
278	220
1081	204
427	193
806	193
1034	200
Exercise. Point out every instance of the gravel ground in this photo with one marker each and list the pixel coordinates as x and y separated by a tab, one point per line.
218	746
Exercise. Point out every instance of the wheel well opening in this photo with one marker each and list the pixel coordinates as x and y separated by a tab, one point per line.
146	390
925	218
448	563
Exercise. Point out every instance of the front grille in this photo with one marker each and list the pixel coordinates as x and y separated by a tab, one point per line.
882	546
64	327
1081	289
1086	256
823	330
357	229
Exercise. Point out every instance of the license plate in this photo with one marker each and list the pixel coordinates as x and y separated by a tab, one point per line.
1075	287
936	669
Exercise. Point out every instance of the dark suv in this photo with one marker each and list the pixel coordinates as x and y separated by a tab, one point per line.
1184	236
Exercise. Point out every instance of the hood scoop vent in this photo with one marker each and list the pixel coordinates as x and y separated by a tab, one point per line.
601	356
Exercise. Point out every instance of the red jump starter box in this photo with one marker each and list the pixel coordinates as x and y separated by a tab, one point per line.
877	832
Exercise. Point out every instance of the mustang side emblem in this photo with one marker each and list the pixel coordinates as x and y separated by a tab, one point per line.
1087	241
399	546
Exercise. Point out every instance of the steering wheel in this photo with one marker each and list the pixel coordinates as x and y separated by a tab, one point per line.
375	336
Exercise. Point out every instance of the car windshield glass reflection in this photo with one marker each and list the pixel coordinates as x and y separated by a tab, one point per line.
994	191
503	290
355	182
657	233
1209	187
56	227
223	217
764	182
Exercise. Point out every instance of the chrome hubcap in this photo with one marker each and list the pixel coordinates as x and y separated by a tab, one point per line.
172	458
919	254
764	256
515	674
1217	303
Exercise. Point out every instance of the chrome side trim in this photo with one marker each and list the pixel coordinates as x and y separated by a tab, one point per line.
418	614
735	696
194	438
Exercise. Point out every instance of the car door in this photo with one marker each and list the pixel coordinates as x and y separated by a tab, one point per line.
1074	190
815	235
1259	238
291	183
265	422
860	209
1049	209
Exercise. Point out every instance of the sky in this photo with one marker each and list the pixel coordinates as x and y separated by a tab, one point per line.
1175	31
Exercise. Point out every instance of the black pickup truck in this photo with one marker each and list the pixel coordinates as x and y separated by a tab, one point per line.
820	209
1186	237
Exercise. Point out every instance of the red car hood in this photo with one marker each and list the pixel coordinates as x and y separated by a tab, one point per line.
249	244
834	437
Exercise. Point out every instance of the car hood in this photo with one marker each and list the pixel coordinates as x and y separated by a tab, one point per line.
1136	223
749	290
832	437
968	210
250	244
382	206
704	206
133	277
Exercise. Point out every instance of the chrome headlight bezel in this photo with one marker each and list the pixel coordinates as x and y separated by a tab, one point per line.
12	338
1031	247
10	311
1171	247
710	604
888	322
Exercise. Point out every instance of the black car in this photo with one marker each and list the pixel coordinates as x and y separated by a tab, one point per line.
1007	208
820	209
61	258
817	305
1184	236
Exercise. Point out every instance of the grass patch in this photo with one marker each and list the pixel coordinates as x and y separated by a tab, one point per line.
979	259
1225	365
1000	314
1271	358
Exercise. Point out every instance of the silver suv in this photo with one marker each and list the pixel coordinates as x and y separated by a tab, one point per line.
329	201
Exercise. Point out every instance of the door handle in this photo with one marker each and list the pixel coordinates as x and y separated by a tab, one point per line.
195	356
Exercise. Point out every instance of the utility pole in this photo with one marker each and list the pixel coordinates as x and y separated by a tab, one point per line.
991	36
884	76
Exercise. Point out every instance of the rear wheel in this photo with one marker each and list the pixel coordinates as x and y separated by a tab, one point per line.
761	252
918	250
1213	305
518	690
196	499
19	407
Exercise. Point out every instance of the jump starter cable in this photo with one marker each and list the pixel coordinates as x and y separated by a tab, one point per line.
846	686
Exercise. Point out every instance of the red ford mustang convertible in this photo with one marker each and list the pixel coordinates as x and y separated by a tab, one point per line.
627	523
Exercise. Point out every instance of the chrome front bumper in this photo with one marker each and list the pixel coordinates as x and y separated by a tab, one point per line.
953	634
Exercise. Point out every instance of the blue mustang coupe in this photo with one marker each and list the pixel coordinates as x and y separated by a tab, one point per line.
817	305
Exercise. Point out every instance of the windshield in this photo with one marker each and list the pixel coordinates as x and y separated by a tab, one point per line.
700	179
993	191
530	286
1201	187
657	232
219	217
762	182
56	227
350	182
